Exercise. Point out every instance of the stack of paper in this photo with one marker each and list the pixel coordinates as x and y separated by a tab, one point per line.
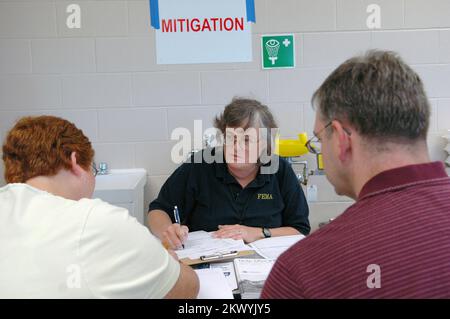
227	269
213	284
273	247
251	275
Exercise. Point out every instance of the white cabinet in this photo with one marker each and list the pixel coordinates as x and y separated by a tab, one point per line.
124	188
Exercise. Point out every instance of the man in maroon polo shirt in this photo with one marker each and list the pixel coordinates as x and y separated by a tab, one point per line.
372	118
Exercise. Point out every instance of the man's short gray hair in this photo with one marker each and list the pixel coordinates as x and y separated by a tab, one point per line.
379	95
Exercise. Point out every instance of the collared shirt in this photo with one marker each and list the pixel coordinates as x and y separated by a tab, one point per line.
207	195
394	242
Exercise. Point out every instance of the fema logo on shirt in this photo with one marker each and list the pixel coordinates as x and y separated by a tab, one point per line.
265	196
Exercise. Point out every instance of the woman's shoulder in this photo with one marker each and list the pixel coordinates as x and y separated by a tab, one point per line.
277	166
200	162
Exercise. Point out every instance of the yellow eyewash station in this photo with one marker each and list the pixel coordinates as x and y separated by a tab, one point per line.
292	149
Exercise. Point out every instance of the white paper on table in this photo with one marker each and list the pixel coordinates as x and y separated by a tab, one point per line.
228	271
273	247
253	269
213	284
201	243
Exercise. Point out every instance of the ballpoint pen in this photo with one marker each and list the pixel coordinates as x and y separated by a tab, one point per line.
176	215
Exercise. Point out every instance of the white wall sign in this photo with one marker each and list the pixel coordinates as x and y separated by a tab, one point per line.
202	31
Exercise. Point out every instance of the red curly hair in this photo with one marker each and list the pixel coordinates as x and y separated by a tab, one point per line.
41	146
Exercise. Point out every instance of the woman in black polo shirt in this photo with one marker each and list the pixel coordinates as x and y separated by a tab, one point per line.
237	195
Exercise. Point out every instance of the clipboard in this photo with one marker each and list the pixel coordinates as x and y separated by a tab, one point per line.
217	258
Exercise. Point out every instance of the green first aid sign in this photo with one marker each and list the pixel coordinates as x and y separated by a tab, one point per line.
278	51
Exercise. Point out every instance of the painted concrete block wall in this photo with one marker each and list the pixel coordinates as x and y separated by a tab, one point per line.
104	76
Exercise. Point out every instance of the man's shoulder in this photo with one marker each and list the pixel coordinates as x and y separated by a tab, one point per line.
314	248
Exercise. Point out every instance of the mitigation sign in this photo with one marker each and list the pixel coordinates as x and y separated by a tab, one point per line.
202	31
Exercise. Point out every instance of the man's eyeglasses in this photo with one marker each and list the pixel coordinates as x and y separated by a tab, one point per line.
94	169
313	149
316	140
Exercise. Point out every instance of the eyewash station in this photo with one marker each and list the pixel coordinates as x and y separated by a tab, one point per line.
293	150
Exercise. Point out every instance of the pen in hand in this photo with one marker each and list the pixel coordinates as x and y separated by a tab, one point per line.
176	215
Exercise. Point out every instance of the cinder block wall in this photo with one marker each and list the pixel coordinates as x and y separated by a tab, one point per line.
104	77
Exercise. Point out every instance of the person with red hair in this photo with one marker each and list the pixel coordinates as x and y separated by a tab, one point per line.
56	242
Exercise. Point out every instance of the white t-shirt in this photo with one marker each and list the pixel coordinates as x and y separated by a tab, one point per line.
52	247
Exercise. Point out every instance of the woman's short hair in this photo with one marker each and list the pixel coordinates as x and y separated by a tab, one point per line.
41	146
245	113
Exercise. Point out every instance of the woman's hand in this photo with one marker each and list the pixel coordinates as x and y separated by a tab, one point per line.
248	234
174	236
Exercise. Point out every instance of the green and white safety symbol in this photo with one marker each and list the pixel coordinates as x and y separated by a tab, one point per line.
278	51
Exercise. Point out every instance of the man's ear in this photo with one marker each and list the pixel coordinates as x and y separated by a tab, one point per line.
344	141
75	169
